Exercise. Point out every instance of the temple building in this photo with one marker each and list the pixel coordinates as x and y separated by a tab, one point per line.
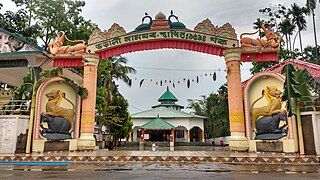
167	120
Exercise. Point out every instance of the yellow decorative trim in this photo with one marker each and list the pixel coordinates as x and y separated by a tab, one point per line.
87	119
236	117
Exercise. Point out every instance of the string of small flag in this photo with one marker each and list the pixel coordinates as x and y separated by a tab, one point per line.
205	73
175	81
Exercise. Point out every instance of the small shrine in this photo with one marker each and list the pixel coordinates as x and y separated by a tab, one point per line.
268	127
167	120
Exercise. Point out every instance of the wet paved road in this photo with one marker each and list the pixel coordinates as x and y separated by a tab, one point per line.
152	174
166	166
161	170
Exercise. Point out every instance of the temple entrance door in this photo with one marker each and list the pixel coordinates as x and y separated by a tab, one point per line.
159	135
308	136
195	134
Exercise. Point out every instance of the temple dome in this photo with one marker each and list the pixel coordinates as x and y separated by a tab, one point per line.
160	16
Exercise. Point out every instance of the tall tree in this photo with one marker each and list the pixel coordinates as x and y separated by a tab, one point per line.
17	22
113	69
298	17
112	107
287	28
215	108
40	20
311	6
310	54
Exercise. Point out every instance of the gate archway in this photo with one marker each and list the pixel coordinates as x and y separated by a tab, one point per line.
163	33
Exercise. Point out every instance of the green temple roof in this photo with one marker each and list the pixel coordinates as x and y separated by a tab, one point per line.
164	113
157	123
167	96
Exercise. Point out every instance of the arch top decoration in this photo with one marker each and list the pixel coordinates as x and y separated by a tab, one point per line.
163	33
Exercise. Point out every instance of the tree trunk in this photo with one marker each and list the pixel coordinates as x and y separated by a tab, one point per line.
290	42
315	37
32	111
300	40
287	42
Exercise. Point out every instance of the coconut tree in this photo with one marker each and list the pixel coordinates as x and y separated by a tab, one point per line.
113	69
287	28
111	106
109	71
298	17
311	6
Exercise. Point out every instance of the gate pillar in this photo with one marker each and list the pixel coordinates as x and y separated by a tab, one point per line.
86	140
238	141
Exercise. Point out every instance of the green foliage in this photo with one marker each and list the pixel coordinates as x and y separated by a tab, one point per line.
288	21
24	92
51	73
291	93
261	66
258	25
297	88
26	89
215	107
301	76
311	6
111	106
42	19
121	123
310	54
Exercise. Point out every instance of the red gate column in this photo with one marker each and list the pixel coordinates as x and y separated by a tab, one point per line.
238	141
86	140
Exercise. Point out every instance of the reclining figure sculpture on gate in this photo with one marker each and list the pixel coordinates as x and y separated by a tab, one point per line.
57	47
272	39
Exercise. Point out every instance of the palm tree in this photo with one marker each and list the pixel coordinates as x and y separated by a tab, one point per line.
298	18
287	28
109	71
311	6
113	69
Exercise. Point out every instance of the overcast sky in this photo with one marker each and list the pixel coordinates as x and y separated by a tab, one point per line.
128	13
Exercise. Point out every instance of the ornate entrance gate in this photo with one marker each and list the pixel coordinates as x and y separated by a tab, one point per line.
170	33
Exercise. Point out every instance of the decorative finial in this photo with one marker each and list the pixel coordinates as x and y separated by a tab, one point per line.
160	16
167	88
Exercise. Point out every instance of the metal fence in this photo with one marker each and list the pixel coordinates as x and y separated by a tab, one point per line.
14	106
